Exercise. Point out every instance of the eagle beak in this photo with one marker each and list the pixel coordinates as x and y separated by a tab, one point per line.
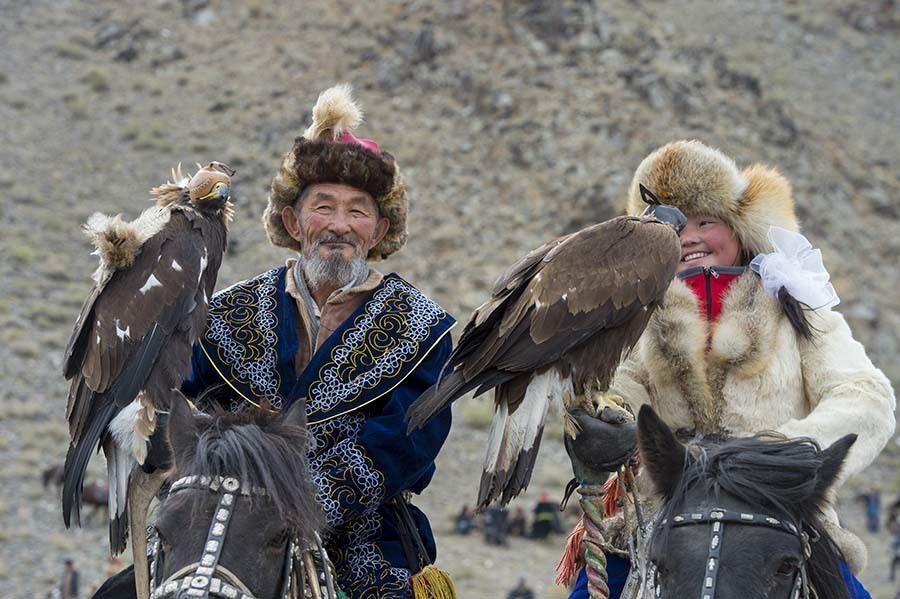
667	214
220	191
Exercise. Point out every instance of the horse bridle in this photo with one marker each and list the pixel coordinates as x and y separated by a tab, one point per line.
208	578
717	518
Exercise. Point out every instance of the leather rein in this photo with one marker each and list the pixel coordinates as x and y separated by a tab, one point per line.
208	578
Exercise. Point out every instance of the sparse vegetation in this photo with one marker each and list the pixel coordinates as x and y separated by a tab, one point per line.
97	80
76	105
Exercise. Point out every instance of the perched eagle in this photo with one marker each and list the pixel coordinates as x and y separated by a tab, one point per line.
131	345
556	326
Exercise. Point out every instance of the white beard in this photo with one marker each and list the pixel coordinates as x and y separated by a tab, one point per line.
333	270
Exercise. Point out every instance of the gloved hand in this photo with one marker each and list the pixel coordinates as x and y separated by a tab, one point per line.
602	445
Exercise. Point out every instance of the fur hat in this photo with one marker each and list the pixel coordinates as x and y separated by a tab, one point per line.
701	180
328	152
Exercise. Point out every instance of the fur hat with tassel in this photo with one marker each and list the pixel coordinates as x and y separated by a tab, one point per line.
701	180
328	152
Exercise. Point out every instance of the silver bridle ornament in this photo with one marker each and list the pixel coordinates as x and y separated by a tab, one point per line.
207	578
717	518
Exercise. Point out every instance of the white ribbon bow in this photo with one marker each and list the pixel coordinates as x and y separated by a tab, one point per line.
796	266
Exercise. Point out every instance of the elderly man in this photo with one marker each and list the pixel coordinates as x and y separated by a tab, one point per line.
358	345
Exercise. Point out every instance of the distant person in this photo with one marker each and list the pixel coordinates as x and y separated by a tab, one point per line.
893	526
465	521
68	586
872	501
546	517
522	591
495	525
518	524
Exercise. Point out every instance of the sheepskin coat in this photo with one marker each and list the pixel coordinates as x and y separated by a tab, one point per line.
749	371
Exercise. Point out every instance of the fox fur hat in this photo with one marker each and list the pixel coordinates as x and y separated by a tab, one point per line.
700	180
328	152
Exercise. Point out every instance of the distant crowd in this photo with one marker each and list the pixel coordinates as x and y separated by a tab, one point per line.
496	523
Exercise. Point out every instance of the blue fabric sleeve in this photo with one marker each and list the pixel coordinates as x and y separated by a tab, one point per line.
360	475
201	375
617	568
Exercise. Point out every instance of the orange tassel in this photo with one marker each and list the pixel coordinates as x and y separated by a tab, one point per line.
612	491
571	561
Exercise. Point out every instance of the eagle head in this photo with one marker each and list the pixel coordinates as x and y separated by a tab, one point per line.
662	212
211	185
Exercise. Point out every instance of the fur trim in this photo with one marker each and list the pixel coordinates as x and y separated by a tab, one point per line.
334	113
701	180
315	158
118	242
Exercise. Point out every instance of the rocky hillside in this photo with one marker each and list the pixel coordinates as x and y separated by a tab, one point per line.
514	121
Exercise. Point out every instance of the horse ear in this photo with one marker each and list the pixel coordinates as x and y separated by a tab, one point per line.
832	463
296	414
661	453
182	430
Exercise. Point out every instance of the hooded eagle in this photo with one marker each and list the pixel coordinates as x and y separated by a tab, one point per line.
554	329
131	345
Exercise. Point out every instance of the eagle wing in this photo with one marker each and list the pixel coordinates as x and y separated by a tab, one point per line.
123	344
129	311
552	301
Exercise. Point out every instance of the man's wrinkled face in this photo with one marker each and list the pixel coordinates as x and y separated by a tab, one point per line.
708	241
335	220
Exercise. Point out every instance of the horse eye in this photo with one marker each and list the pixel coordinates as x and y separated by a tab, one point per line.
788	567
163	541
280	539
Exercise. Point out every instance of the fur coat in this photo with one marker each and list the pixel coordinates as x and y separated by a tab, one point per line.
754	373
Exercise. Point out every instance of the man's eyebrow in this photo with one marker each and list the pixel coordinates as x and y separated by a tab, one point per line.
323	195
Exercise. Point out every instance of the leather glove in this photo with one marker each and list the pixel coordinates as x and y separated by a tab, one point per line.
604	443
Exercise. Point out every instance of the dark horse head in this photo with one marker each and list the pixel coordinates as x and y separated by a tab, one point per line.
259	461
741	517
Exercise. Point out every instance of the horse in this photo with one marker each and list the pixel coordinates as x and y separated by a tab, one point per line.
95	493
741	517
240	509
54	474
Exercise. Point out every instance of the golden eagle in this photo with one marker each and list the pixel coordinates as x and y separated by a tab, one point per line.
555	328
131	344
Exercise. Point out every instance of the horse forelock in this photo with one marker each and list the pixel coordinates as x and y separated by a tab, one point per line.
261	451
768	470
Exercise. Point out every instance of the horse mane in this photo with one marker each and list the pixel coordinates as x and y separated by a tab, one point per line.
777	475
260	450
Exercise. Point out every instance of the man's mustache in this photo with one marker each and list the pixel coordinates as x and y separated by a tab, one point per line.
327	238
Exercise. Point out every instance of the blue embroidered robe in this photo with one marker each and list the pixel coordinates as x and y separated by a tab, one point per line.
358	385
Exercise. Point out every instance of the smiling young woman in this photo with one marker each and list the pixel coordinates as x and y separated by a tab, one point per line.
746	339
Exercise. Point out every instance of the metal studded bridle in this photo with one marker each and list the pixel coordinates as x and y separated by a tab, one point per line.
208	578
716	519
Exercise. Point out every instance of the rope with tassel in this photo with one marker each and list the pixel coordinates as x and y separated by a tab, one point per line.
593	543
586	544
